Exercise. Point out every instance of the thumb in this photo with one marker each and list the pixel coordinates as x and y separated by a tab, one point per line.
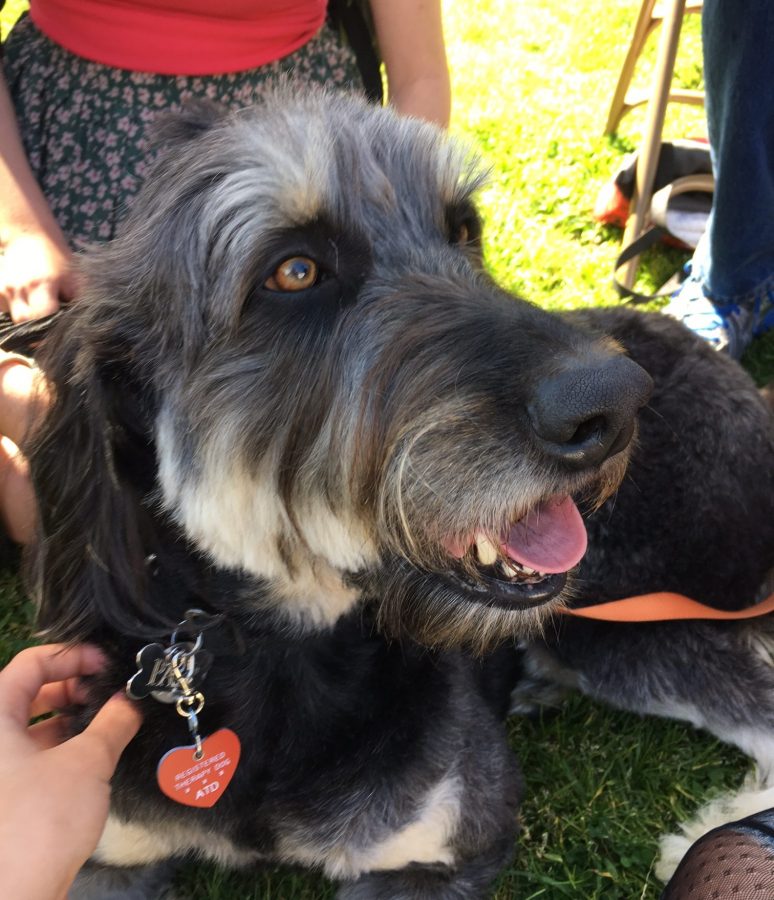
109	732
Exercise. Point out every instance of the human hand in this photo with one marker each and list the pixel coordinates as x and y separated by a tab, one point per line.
55	792
35	274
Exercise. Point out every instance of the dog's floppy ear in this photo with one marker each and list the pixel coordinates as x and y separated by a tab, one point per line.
89	459
196	117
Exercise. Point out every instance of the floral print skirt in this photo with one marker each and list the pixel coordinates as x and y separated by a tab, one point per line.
85	125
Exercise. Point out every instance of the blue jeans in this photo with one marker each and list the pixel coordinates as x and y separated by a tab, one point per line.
736	262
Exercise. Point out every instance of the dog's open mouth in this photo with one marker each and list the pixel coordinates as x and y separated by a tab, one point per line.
530	565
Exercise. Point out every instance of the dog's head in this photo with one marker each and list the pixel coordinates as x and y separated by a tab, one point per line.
293	352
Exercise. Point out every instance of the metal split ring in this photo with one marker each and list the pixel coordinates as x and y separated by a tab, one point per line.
189	700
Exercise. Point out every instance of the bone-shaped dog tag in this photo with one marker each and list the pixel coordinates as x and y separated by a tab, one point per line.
153	671
156	678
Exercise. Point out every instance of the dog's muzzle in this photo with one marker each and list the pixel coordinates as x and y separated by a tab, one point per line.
580	417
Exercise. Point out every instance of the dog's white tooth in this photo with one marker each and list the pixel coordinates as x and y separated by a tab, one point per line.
485	550
511	570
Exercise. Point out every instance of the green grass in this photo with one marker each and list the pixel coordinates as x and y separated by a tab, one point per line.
532	83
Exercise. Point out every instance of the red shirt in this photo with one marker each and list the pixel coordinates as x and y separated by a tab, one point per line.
180	37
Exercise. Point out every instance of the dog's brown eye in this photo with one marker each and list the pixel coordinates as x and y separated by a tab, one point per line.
294	274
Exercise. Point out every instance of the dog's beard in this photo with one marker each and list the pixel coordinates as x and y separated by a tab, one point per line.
318	556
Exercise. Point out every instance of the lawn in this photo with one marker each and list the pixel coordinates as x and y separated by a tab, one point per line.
532	83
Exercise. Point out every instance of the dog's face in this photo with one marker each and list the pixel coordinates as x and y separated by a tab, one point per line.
342	402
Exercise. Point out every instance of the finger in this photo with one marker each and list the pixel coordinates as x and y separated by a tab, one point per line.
49	733
108	734
59	695
26	674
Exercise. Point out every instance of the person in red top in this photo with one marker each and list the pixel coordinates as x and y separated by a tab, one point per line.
180	37
83	81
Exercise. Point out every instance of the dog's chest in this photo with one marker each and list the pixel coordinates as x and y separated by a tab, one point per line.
330	727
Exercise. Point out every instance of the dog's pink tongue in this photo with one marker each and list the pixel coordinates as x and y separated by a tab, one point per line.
551	538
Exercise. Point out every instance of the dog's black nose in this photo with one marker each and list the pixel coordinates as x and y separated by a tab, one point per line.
586	413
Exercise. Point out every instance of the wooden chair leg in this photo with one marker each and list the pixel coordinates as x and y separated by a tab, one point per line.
654	124
650	16
642	28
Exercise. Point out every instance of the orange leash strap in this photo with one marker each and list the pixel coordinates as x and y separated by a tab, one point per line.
664	607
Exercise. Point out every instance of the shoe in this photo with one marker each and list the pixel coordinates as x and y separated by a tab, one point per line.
729	328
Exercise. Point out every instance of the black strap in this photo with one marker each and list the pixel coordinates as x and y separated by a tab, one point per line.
644	242
695	188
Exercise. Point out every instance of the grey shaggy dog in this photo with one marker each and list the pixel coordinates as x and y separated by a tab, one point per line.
308	412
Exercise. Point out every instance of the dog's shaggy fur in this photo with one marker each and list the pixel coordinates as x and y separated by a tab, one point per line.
291	397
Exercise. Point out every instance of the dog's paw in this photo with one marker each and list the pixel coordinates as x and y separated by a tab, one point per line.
753	797
672	848
535	696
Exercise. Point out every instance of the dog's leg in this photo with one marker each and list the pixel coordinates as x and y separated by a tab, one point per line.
717	676
98	882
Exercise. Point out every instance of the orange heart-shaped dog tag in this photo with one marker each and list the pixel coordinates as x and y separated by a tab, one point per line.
200	782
